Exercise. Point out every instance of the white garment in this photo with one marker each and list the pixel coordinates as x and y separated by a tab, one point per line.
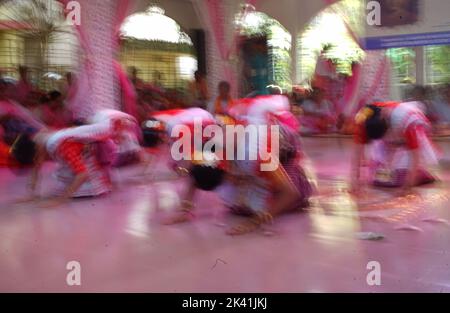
129	138
184	117
390	152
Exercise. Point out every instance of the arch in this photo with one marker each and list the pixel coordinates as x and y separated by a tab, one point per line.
329	28
154	25
181	11
36	35
279	43
158	47
292	14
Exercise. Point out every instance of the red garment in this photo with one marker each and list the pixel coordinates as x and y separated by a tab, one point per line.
412	136
360	136
72	153
5	156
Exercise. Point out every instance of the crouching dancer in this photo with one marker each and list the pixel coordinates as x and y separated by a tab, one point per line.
401	152
80	153
258	183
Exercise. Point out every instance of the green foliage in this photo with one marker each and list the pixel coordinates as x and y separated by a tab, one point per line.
403	62
439	62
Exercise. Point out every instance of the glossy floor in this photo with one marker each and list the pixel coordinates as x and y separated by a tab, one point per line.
121	245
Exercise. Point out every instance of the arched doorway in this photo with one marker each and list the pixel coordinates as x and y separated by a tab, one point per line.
264	38
330	54
335	28
157	47
35	34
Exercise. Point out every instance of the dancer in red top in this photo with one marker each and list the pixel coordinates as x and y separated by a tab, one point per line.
79	152
401	149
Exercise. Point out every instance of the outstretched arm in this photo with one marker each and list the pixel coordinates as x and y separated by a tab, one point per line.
411	177
35	177
412	135
184	213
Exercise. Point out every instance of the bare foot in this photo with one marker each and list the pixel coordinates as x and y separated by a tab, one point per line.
51	203
250	225
178	218
242	228
405	192
27	199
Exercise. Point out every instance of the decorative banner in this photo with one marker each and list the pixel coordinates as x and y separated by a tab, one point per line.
371	84
100	79
406	23
218	17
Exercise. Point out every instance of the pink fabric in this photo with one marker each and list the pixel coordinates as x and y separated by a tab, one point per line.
216	20
287	119
123	9
81	36
129	96
83	87
350	88
217	23
14	109
55	118
375	84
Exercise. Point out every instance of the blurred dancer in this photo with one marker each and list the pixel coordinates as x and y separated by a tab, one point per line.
247	189
53	112
401	149
83	153
318	116
14	120
126	140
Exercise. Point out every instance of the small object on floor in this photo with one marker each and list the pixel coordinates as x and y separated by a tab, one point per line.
217	262
436	220
369	236
268	232
220	224
408	227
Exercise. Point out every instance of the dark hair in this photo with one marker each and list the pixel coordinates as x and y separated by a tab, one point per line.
44	99
24	150
152	136
78	122
224	84
207	177
54	95
376	125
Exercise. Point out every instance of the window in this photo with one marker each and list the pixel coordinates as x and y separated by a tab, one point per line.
437	61
403	65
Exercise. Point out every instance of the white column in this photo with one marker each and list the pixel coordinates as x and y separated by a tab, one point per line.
97	23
